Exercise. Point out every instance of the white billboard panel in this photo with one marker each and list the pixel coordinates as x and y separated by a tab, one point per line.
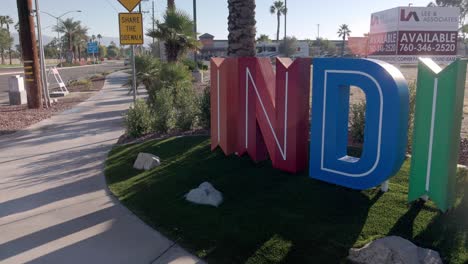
429	18
403	34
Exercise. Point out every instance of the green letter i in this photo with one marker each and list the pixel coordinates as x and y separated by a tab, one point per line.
436	137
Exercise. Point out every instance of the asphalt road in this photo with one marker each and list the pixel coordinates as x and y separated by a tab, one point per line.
67	74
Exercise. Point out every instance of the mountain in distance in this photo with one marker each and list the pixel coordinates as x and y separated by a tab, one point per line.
104	41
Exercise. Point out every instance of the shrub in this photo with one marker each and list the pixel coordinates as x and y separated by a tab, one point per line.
189	63
138	120
173	89
163	109
412	108
147	70
186	108
357	123
205	108
87	83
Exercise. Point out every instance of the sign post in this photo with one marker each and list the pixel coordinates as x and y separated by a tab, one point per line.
131	33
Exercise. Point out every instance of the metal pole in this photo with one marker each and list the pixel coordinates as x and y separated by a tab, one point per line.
285	19
59	43
30	55
42	57
153	23
134	74
195	33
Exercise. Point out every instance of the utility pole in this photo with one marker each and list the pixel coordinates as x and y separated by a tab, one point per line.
30	54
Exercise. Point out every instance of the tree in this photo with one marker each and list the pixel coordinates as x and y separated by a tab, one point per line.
288	47
80	40
7	20
51	49
461	4
99	37
241	27
171	4
263	38
278	8
69	28
177	33
5	42
343	32
112	50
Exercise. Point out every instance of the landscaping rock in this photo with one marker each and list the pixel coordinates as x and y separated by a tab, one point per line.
393	250
146	161
205	194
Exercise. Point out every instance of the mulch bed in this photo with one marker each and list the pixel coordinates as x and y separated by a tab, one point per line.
17	117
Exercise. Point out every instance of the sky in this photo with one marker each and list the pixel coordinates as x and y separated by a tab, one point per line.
100	16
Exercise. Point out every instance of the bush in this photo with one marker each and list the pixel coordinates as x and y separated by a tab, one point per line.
173	98
205	108
412	108
358	121
138	120
186	108
163	109
87	83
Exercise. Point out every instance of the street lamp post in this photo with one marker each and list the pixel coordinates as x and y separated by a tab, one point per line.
58	32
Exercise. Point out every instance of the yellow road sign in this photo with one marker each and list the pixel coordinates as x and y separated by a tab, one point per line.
131	28
130	4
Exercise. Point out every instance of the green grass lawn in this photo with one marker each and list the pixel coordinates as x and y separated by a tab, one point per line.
6	66
273	217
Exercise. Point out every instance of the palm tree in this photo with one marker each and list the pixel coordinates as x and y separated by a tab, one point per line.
278	8
343	32
7	20
177	33
171	4
80	39
68	27
241	26
99	37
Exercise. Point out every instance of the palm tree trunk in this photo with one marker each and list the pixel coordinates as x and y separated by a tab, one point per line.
171	4
3	56
9	48
342	46
241	26
278	28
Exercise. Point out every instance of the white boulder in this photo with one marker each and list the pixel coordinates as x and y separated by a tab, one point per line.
393	250
146	161
205	194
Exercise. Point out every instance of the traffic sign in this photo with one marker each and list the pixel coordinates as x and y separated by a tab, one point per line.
130	4
131	28
93	48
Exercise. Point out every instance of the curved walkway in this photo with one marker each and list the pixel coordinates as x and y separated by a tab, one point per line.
54	202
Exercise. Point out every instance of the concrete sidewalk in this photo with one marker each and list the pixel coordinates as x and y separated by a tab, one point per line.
54	202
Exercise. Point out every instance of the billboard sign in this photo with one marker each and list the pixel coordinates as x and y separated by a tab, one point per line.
402	34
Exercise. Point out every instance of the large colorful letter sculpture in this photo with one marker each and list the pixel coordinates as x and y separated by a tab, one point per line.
385	133
254	112
436	138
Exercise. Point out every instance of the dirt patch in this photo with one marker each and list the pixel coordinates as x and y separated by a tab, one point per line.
17	117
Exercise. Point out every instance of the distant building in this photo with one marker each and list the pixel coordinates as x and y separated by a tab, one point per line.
218	48
212	48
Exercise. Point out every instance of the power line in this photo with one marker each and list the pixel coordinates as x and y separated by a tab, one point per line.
113	7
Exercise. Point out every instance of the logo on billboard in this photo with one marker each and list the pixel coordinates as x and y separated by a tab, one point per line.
375	20
411	14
